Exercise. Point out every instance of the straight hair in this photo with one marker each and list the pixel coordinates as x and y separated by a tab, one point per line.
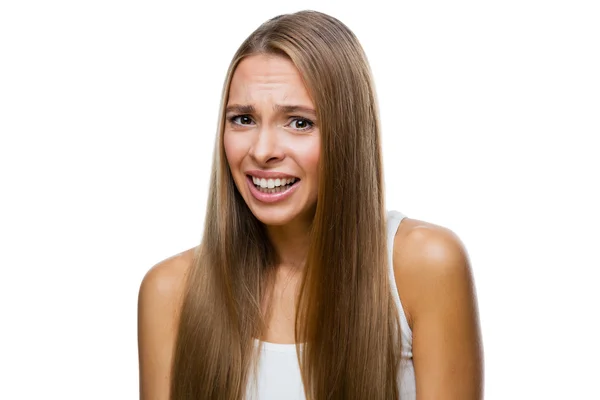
347	326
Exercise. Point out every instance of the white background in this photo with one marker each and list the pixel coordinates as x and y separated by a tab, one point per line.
108	112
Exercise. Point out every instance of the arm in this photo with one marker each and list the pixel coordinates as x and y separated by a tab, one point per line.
434	278
158	306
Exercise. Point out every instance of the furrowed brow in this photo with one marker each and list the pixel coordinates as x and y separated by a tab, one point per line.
294	109
288	109
240	109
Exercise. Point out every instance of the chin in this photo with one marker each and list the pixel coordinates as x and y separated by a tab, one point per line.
274	215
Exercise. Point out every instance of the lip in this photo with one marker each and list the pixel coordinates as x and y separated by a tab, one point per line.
271	197
269	174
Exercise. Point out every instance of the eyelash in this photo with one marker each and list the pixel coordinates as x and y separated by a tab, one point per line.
311	124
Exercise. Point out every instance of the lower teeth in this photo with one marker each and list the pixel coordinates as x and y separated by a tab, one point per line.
278	189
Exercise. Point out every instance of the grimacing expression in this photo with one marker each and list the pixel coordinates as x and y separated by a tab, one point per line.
271	139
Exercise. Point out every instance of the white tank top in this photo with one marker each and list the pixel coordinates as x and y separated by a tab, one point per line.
278	370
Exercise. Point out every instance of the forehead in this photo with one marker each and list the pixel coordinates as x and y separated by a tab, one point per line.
277	77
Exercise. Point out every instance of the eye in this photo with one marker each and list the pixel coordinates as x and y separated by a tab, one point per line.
244	119
302	124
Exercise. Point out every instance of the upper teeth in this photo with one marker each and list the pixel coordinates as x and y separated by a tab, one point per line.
271	183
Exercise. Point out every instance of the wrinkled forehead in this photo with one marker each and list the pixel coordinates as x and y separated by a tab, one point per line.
263	79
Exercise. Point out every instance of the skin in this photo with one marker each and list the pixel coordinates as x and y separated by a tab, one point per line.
431	266
273	140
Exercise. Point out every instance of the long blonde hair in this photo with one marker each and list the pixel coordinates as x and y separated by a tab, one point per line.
346	317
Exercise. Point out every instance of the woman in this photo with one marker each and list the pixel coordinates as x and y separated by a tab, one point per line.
303	286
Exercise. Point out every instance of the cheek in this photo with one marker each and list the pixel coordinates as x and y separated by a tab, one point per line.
312	169
233	152
311	159
314	163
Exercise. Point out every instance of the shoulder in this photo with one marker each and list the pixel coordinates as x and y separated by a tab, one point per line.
162	287
434	279
159	302
429	260
166	278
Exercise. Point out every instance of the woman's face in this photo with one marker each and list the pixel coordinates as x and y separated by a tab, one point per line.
271	140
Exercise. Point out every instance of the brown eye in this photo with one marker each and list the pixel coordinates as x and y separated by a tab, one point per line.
244	119
302	124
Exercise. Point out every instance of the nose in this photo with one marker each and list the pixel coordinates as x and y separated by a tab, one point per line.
266	147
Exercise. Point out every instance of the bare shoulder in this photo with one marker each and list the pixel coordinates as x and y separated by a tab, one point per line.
162	286
425	256
166	278
435	283
159	302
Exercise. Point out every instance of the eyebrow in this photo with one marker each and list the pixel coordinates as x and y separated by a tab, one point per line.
249	109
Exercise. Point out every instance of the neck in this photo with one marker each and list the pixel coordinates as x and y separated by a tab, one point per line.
290	242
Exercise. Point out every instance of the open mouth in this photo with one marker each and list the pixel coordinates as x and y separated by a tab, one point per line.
272	186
